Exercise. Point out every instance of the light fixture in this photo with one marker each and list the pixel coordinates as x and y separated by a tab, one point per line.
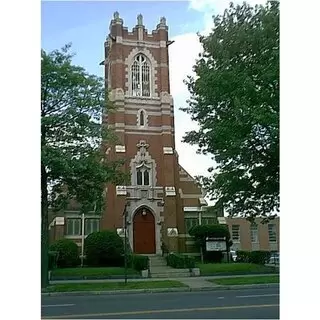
144	213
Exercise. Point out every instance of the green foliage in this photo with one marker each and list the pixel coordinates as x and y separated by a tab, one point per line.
257	257
72	106
73	141
104	249
201	232
68	253
138	262
179	261
235	101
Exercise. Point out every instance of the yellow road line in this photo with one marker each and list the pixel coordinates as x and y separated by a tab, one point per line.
126	313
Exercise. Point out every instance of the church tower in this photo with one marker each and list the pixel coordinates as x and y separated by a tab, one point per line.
137	77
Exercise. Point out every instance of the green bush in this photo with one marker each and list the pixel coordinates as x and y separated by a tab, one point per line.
257	257
243	256
178	261
68	253
138	262
103	249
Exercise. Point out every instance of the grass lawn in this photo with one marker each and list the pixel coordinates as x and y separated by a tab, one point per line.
114	286
80	272
213	268
247	280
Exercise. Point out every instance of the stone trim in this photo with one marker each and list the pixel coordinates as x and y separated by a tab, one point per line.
145	118
146	133
133	208
144	43
167	150
143	158
170	191
121	190
120	149
191	209
153	65
149	101
151	113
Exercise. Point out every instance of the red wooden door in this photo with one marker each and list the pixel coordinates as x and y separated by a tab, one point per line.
144	240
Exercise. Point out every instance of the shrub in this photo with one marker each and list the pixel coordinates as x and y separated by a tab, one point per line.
138	262
257	257
68	253
243	256
104	248
178	261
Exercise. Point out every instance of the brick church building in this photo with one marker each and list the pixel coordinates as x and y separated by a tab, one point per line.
137	74
161	195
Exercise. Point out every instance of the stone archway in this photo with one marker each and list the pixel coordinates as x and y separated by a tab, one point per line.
144	237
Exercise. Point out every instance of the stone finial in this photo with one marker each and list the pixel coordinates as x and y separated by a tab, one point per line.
162	24
140	20
163	21
116	18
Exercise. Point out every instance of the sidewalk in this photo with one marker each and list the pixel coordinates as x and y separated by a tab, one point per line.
192	282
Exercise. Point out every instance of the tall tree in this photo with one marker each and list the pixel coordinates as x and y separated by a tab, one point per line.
73	162
235	101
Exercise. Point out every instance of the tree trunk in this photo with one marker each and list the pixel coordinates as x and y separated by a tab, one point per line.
44	228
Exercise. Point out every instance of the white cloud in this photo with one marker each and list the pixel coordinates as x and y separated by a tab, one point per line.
183	54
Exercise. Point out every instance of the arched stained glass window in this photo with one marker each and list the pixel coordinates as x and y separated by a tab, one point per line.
140	73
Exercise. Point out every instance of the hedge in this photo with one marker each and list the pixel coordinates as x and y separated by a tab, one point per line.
257	257
179	261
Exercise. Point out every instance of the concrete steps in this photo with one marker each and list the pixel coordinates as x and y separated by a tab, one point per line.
159	269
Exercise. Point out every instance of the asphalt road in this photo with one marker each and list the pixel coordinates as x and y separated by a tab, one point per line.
229	304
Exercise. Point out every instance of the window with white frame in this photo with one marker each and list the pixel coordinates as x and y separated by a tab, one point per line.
140	75
235	233
272	233
190	222
73	226
254	233
91	225
208	221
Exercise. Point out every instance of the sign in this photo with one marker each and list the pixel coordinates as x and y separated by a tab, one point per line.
216	245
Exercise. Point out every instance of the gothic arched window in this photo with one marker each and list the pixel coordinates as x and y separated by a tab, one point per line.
143	177
141	118
140	72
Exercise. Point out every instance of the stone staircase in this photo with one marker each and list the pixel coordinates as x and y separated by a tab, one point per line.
159	269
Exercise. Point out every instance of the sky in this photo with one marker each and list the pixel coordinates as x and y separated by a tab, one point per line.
86	24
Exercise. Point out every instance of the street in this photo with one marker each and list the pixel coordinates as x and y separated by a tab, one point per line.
226	304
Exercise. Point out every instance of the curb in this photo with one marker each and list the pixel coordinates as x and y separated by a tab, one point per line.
162	290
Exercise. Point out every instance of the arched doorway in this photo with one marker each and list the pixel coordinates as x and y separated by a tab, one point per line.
144	240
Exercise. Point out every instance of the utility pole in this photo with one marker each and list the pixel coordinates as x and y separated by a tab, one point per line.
82	238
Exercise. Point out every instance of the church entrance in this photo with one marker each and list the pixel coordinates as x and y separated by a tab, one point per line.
144	239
